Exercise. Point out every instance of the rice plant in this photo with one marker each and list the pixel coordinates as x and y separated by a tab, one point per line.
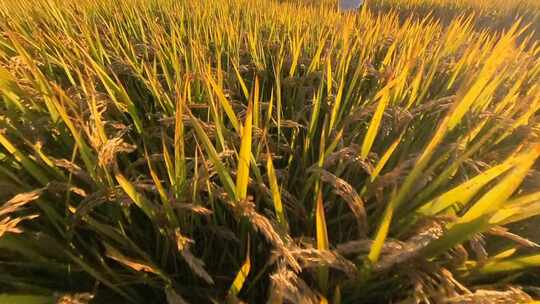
163	151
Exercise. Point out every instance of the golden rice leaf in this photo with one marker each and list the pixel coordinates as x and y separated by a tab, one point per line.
505	254
171	216
223	173
8	82
40	80
118	94
383	99
86	154
386	156
463	193
506	215
168	160
404	190
486	75
518	209
477	218
27	163
224	102
139	199
242	174
276	194
336	108
241	276
179	149
26	299
256	111
524	200
322	238
10	89
381	233
511	264
499	194
296	43
241	81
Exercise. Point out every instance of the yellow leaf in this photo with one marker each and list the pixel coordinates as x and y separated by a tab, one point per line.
224	176
27	163
518	209
463	193
504	254
386	156
240	278
276	195
322	233
384	99
477	218
242	174
488	74
511	264
139	199
322	239
224	102
494	199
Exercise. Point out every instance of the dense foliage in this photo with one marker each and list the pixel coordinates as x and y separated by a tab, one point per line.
200	151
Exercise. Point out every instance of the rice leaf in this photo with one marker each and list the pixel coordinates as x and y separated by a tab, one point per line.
510	264
26	299
224	176
276	193
322	239
139	199
244	157
241	276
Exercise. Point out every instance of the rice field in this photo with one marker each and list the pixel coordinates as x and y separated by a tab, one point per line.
269	151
